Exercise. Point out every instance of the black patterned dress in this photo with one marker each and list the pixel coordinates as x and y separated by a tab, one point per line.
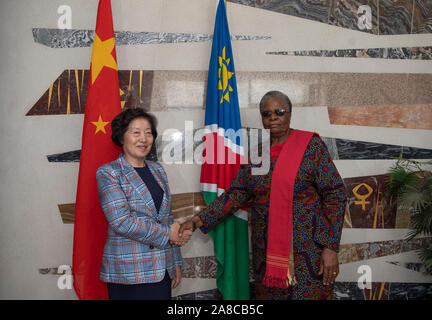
318	212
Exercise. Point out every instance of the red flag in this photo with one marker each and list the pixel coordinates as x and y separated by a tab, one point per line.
103	104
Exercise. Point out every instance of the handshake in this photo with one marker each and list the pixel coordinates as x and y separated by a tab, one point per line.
181	233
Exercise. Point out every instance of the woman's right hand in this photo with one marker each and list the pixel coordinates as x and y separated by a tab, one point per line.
174	232
179	238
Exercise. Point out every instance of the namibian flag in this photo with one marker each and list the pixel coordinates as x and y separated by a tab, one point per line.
223	153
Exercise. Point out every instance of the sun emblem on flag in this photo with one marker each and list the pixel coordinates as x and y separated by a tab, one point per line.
224	76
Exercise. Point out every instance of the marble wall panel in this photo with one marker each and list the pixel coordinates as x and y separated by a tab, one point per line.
416	53
200	267
186	90
51	271
395	16
212	294
416	243
348	291
74	156
63	38
414	266
422	22
316	10
347	219
396	116
343	13
378	291
205	267
74	38
339	149
188	268
403	219
182	205
416	153
363	251
199	202
67	94
69	156
419	89
304	89
174	90
388	17
348	253
421	53
393	89
135	88
368	206
410	291
342	291
357	89
351	149
354	252
67	212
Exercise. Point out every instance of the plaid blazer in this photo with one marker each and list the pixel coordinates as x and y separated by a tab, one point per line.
136	248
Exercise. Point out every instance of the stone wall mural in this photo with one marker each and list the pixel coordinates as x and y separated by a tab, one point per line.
72	38
410	116
386	17
67	94
415	53
168	90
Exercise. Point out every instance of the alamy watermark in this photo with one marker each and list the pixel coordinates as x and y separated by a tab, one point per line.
65	20
213	145
65	280
365	280
364	20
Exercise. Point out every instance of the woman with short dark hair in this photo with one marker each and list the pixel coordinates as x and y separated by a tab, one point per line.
141	258
120	123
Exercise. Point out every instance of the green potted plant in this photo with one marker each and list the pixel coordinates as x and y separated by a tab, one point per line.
409	187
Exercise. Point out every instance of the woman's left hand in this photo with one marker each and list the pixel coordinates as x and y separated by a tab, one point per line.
329	265
177	278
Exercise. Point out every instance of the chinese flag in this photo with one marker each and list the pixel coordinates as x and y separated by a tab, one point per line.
103	104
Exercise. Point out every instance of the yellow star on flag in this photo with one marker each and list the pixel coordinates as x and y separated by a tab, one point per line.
100	125
224	76
101	56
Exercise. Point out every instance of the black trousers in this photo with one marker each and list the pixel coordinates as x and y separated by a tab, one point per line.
144	291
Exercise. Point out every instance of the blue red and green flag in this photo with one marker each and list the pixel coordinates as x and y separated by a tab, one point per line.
223	154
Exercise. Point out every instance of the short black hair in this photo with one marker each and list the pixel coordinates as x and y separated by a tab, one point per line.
121	122
276	94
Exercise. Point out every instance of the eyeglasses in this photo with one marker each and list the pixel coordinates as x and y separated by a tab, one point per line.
278	112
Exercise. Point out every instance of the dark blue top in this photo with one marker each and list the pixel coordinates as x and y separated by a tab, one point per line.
155	189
